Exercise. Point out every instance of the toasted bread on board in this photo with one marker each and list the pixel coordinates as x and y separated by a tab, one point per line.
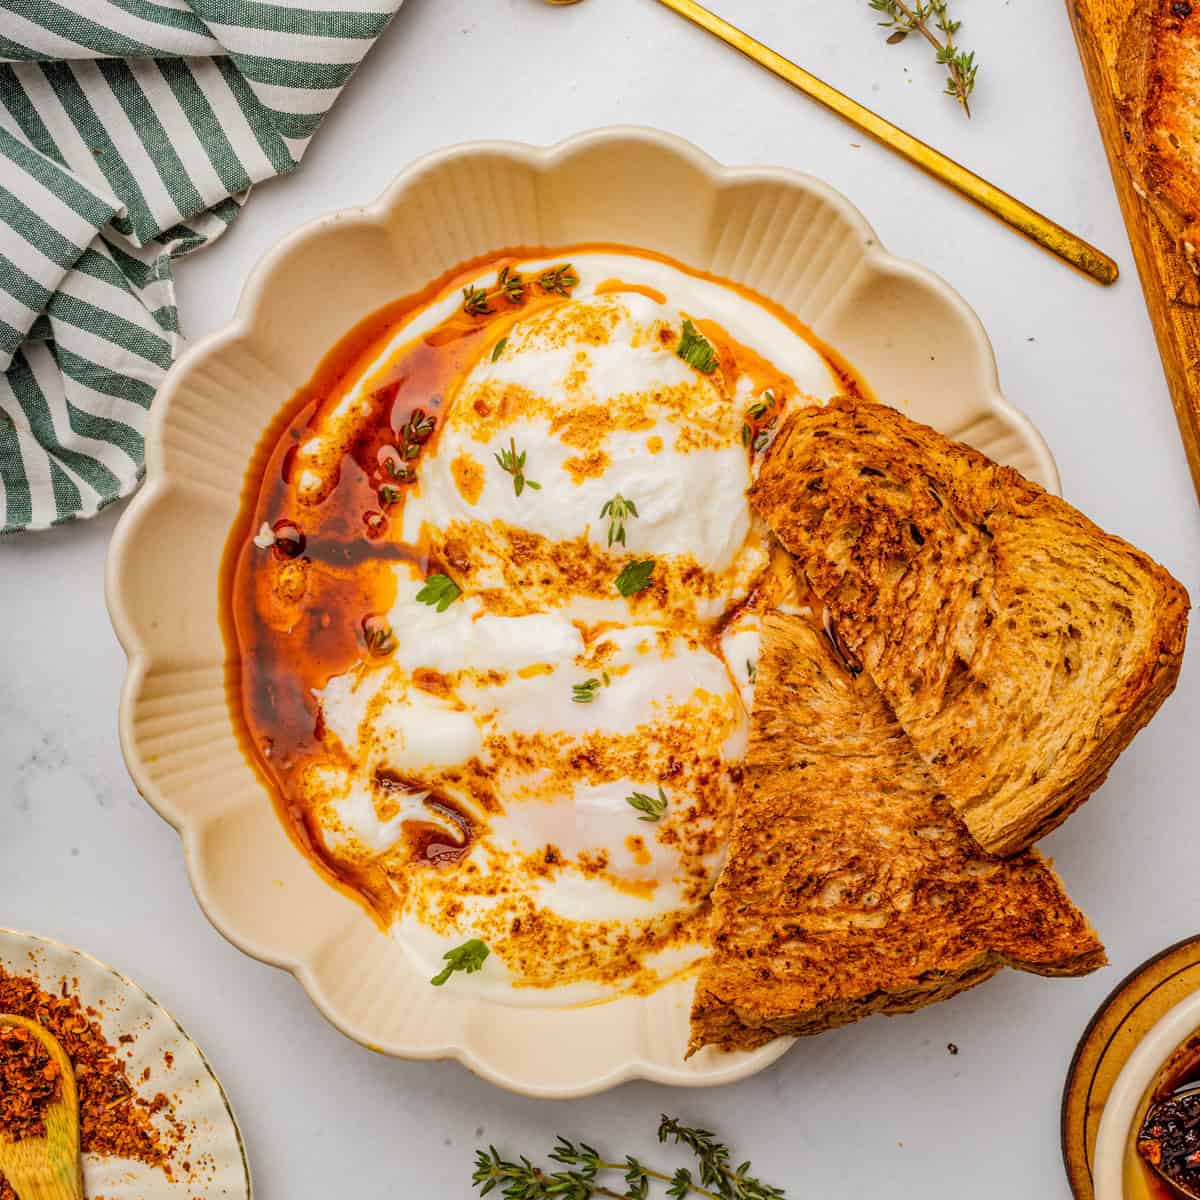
1019	646
851	886
1163	78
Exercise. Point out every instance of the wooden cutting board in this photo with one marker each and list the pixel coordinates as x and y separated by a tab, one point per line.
1107	34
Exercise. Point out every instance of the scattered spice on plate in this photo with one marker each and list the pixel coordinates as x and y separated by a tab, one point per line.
114	1121
30	1081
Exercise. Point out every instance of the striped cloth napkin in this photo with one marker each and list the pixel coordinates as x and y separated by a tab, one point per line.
130	133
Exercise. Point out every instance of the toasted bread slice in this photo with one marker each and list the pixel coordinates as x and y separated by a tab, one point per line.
851	886
1019	646
1165	142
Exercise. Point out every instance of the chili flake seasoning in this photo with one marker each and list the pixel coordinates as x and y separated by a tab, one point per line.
30	1081
114	1120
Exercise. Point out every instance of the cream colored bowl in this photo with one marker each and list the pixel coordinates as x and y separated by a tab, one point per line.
786	235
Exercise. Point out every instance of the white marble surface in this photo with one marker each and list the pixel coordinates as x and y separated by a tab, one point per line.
878	1109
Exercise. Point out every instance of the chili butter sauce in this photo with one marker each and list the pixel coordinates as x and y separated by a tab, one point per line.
1170	1133
306	586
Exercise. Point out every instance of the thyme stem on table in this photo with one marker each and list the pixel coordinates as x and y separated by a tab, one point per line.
930	18
521	1179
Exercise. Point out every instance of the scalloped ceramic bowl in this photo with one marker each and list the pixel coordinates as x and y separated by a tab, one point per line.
786	235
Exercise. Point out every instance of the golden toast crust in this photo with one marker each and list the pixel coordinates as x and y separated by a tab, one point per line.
1019	645
851	886
1168	150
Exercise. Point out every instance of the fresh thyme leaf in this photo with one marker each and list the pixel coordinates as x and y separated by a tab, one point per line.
696	350
468	958
930	18
751	670
635	577
747	434
498	349
389	494
653	808
511	285
419	425
585	692
618	510
393	468
757	410
713	1158
763	438
475	301
440	591
559	280
377	633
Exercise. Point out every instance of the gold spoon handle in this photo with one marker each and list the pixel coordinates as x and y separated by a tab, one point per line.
1048	234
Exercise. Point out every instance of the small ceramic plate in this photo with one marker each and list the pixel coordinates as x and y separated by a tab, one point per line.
217	1158
785	235
1130	1037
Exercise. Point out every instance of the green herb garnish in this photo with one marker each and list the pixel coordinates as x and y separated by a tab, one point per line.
696	350
585	692
475	301
419	426
389	494
498	349
439	590
635	577
584	1167
558	280
510	285
618	510
468	958
514	464
378	635
653	807
751	670
930	18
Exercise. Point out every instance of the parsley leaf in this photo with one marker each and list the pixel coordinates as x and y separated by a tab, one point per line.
635	577
498	349
468	958
439	590
696	350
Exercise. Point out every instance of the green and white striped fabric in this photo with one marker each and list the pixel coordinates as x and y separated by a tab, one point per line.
131	132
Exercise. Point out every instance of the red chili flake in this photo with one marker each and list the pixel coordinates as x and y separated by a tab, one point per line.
289	541
30	1081
114	1121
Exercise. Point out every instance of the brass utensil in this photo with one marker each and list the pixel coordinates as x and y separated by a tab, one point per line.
1049	235
47	1167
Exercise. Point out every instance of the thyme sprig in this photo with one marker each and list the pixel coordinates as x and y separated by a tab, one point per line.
514	464
512	286
584	1165
618	510
652	808
930	18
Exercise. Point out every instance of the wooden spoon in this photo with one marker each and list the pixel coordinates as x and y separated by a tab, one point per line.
47	1167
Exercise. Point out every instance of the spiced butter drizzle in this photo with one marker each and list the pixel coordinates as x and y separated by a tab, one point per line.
313	600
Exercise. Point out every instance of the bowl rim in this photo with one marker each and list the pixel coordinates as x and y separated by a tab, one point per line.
1125	1097
251	299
